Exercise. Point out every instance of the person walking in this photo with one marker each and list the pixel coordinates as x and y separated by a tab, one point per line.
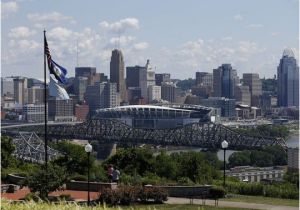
116	175
110	171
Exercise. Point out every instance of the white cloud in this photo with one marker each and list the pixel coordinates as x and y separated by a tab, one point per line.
238	17
122	40
49	17
20	32
28	44
60	33
121	25
193	45
274	33
8	8
255	26
140	46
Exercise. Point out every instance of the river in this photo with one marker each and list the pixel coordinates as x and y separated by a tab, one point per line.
292	141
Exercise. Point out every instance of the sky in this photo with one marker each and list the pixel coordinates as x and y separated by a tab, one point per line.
179	37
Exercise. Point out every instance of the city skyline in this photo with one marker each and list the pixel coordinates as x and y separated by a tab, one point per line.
179	39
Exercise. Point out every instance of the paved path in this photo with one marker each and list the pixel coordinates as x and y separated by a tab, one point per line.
173	200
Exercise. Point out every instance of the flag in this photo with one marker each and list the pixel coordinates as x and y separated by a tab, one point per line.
57	91
58	71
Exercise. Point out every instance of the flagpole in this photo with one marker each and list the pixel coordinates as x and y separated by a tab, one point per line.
45	99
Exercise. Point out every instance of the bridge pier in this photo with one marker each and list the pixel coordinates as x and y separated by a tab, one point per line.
106	150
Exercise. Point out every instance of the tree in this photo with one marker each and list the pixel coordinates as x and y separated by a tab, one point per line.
261	159
239	159
134	160
7	148
279	155
45	181
165	166
74	159
194	166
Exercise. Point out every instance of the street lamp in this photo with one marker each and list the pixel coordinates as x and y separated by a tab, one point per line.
224	147
88	149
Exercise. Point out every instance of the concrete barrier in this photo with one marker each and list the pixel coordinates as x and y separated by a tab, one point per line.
94	186
186	191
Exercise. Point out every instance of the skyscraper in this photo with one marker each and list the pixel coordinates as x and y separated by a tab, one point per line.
88	72
255	87
168	92
150	74
101	95
85	71
288	80
36	95
117	72
61	110
224	81
20	90
154	93
204	79
80	84
136	76
7	86
160	78
242	94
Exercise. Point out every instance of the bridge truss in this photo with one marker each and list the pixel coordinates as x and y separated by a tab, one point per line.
205	135
30	147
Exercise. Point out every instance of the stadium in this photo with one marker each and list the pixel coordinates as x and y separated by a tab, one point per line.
158	116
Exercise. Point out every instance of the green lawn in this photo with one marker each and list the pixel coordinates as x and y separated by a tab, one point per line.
180	207
70	206
263	200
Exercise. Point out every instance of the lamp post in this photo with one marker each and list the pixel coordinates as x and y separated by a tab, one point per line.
224	147
88	149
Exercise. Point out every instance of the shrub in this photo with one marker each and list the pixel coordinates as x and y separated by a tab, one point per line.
110	197
154	194
32	197
45	181
185	181
217	192
78	177
125	195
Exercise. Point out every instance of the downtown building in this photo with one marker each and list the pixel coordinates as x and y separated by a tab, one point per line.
224	81
204	79
226	106
288	80
242	94
101	95
154	93
80	85
150	74
169	92
36	95
160	78
255	87
7	86
117	73
61	110
89	73
34	113
20	90
136	78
